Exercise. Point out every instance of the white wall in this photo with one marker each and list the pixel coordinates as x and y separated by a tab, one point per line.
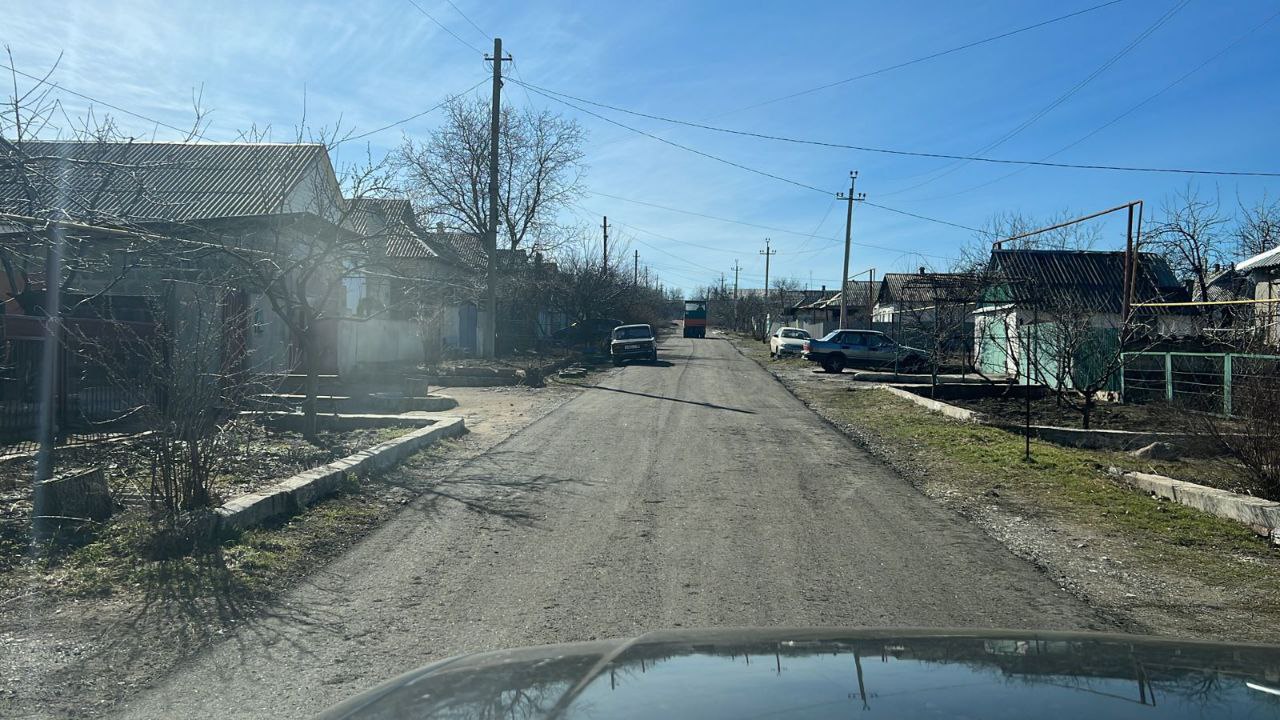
377	341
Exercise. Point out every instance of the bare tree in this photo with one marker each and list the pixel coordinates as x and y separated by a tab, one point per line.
540	156
1190	236
1258	228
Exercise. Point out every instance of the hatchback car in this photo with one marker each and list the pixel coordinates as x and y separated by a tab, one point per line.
633	342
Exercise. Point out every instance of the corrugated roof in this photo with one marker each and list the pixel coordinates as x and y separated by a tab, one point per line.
912	289
1268	259
390	220
1084	279
860	292
162	182
464	249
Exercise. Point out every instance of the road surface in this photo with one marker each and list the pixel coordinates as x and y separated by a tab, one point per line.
692	493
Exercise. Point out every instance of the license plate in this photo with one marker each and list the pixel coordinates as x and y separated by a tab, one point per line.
631	347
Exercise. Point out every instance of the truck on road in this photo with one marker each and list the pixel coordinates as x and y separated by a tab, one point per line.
695	318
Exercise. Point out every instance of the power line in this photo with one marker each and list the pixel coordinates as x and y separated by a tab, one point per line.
92	99
1159	22
764	227
1230	46
445	28
660	139
415	116
486	35
932	56
558	96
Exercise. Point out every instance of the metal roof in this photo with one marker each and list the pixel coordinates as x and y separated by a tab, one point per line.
1268	259
390	220
154	182
462	248
1084	279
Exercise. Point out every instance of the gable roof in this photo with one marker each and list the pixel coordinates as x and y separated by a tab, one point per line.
1084	279
926	288
154	182
391	221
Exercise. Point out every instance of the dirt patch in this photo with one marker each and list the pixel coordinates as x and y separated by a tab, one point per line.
97	629
1164	568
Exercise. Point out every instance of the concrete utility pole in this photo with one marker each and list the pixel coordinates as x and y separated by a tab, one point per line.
489	344
766	252
41	525
605	227
635	269
848	236
736	269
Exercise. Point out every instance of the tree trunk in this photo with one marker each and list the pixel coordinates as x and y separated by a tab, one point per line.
310	366
1088	409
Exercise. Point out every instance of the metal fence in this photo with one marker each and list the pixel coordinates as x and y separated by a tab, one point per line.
86	408
1198	380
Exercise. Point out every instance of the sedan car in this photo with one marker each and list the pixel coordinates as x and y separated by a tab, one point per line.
787	341
633	342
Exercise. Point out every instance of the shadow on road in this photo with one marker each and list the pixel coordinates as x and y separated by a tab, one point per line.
652	363
671	399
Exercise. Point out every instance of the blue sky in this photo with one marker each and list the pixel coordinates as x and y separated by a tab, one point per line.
380	61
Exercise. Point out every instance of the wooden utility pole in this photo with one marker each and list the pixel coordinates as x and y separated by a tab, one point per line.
848	237
490	341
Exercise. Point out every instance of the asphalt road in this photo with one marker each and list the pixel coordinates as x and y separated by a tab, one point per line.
692	493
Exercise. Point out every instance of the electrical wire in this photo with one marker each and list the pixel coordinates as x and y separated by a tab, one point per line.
444	27
1071	92
753	225
486	35
92	99
564	98
932	56
674	144
1230	46
415	116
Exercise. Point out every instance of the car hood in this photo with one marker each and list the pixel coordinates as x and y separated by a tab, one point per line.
819	673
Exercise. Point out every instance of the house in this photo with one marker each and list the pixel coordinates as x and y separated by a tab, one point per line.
1061	311
928	310
821	315
198	205
1262	273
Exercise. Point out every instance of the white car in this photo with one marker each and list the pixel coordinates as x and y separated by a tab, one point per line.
787	341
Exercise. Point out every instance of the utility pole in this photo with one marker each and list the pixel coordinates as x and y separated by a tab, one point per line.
490	342
41	526
605	227
848	236
767	253
736	269
635	269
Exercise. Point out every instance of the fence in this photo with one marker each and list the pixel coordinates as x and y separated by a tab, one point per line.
86	409
1199	380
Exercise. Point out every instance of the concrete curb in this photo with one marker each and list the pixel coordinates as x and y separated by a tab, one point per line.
306	488
1261	515
950	411
343	421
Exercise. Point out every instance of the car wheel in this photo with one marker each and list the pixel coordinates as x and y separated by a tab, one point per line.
654	357
617	362
833	363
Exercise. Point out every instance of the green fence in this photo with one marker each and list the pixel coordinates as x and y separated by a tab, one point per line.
1201	381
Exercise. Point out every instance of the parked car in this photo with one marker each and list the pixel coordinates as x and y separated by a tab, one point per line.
863	348
787	341
633	342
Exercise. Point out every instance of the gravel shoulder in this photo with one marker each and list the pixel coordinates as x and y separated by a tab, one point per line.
691	492
72	654
1156	567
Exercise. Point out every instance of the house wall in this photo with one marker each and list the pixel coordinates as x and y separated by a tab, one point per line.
1266	286
377	342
